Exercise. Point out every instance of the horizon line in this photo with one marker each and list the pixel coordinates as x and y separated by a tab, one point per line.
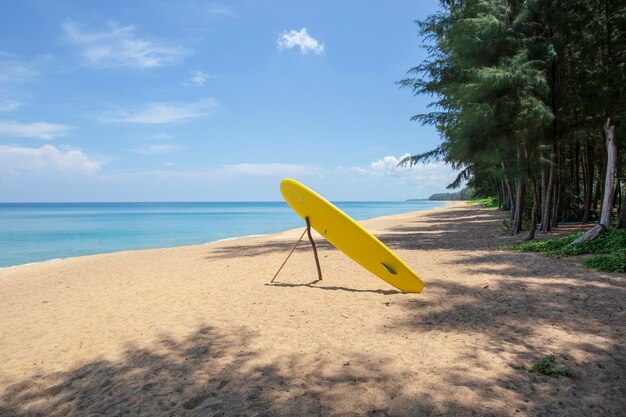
212	201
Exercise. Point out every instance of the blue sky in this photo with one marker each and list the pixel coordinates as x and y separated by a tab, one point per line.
210	101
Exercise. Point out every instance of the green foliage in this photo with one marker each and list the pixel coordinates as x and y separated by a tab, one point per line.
491	90
615	262
609	249
520	92
544	367
552	247
488	203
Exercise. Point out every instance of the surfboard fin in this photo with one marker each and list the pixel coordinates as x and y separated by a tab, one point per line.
391	271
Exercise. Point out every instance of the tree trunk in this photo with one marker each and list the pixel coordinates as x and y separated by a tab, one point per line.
621	223
590	234
556	199
617	194
611	164
519	208
618	197
533	213
509	190
588	174
547	210
547	207
602	173
576	177
544	194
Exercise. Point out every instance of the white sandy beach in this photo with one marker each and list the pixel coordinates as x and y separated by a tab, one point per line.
199	330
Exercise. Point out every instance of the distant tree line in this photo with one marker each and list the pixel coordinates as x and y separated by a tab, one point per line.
464	194
528	98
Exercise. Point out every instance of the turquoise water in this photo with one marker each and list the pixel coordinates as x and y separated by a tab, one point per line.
35	232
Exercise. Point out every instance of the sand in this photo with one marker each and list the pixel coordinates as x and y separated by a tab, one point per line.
199	331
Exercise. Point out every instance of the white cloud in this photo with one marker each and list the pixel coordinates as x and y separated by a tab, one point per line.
36	130
382	171
121	47
162	136
24	161
159	148
50	173
421	175
302	39
217	9
198	78
7	105
388	165
161	113
284	170
12	71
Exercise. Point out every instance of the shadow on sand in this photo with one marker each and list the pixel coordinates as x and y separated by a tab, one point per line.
332	288
199	376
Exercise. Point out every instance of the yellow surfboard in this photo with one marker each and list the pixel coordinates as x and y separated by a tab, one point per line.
349	237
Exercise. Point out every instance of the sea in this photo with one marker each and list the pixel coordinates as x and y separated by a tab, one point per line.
38	232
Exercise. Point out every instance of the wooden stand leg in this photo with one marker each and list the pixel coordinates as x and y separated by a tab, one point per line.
317	261
287	258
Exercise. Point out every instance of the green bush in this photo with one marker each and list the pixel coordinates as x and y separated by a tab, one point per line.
552	247
544	367
615	262
490	202
609	248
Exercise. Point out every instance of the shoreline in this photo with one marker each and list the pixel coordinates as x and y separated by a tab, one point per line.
132	250
200	330
446	204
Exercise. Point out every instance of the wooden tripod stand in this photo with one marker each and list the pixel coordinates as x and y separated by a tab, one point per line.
317	261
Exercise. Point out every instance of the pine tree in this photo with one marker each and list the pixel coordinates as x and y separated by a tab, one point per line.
521	90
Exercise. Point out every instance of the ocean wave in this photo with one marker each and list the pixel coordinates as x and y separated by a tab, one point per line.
233	238
31	263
